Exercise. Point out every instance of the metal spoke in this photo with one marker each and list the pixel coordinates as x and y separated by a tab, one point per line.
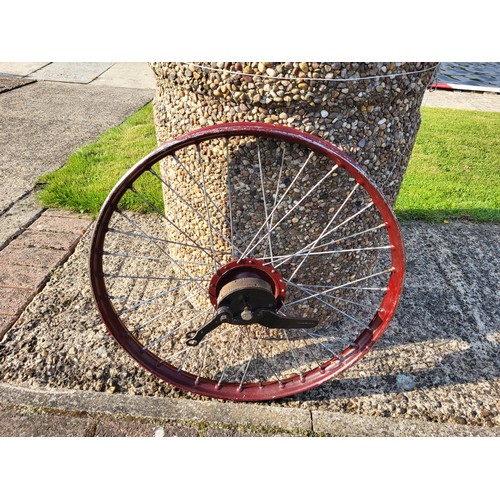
181	164
212	256
229	201
342	286
317	297
286	258
254	351
352	235
249	361
275	225
292	352
200	161
189	349
143	257
133	223
162	294
305	287
248	250
200	215
154	238
169	334
127	276
277	186
316	339
264	201
171	308
229	357
330	231
204	357
292	349
315	242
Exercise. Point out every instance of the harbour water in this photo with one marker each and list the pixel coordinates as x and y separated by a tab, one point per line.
470	73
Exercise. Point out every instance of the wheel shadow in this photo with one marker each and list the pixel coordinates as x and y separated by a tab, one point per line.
431	343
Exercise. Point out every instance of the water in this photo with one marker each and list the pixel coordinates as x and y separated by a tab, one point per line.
470	73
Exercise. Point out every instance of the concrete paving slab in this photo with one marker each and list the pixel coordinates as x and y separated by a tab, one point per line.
180	417
158	409
71	72
45	258
44	239
137	75
17	217
7	84
52	222
27	261
15	423
42	123
342	425
13	301
20	68
5	323
469	101
23	277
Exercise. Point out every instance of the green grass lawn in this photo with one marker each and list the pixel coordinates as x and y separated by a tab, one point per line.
85	181
453	171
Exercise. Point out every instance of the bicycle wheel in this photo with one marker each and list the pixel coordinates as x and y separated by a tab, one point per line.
246	261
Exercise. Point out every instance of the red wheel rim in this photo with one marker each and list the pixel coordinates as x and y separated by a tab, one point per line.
249	391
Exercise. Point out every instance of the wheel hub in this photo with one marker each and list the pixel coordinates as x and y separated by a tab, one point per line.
247	283
247	291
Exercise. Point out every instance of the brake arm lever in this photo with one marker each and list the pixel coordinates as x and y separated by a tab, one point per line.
264	317
223	315
269	318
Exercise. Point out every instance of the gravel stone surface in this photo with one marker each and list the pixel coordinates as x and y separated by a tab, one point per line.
438	361
380	113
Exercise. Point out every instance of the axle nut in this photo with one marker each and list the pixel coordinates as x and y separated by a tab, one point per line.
246	314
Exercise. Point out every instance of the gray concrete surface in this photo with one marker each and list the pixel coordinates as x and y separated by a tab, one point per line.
469	101
7	84
188	417
71	72
20	68
43	123
19	216
437	363
136	75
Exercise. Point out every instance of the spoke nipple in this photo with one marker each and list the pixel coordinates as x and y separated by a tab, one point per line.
217	387
240	388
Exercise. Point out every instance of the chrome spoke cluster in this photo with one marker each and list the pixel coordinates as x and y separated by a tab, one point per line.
156	269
